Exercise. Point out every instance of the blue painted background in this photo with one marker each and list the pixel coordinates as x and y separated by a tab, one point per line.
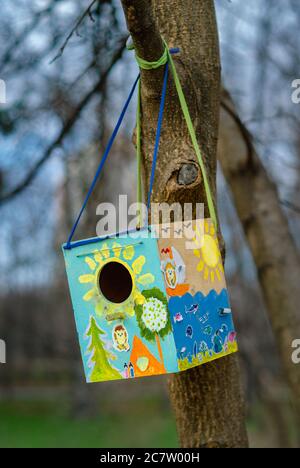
206	316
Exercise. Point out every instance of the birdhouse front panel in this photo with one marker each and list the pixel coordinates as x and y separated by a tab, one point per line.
121	308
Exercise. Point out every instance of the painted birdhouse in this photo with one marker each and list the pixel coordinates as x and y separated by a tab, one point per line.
148	306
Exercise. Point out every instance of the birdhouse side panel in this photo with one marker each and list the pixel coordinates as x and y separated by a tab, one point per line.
198	300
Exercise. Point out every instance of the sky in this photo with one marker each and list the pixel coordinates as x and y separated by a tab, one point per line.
243	48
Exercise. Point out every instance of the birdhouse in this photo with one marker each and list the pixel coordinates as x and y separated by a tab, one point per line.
147	305
153	301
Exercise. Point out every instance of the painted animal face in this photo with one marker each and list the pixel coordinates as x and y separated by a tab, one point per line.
120	336
171	277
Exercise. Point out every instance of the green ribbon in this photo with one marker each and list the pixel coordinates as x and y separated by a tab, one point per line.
187	116
145	65
139	153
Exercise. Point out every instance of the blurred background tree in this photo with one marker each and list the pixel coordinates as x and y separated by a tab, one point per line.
67	75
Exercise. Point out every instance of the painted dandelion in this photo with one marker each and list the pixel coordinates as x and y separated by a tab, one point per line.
155	315
153	318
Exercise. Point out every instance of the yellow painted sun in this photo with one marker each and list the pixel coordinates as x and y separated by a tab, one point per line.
207	250
121	255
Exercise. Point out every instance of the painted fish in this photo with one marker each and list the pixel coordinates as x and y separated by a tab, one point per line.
195	349
208	330
223	311
189	331
182	352
192	309
178	318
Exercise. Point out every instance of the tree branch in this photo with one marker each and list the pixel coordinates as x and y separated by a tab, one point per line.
248	140
268	233
143	29
147	41
66	128
241	127
290	205
87	12
6	58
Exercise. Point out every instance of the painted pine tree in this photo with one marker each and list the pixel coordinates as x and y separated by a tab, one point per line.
99	360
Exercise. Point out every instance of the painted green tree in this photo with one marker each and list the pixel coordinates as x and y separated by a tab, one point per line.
102	369
153	317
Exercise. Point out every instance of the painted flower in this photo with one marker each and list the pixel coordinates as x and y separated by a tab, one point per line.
124	257
155	315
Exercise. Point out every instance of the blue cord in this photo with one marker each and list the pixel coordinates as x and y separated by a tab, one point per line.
68	245
101	165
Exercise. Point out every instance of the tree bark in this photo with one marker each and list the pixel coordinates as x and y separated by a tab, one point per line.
207	400
267	231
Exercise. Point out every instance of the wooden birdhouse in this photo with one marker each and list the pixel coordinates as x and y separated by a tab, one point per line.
147	303
148	306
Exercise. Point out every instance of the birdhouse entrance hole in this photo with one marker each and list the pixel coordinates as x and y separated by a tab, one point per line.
115	282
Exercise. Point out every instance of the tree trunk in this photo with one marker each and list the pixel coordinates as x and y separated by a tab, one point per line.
207	400
267	231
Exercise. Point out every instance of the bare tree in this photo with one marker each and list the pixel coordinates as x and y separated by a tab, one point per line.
208	401
267	231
